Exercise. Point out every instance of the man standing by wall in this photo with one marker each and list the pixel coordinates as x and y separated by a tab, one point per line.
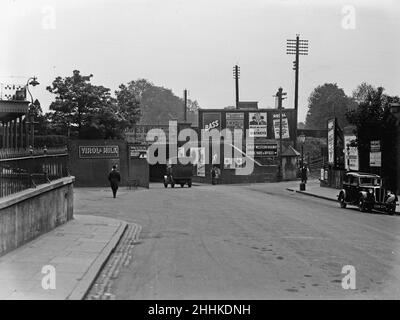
115	178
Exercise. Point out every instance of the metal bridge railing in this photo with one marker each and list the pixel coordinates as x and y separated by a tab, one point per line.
21	173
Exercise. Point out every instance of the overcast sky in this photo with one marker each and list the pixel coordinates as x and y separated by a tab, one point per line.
194	44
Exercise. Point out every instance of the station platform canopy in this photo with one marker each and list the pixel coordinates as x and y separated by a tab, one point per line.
12	109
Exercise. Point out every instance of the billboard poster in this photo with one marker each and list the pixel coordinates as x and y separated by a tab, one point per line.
258	124
375	146
235	121
262	150
233	163
285	126
375	159
331	142
198	156
375	155
211	121
99	152
350	153
138	152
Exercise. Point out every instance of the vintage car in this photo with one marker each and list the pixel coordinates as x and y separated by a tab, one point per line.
178	173
365	191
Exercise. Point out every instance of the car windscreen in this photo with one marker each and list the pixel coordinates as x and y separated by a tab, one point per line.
370	181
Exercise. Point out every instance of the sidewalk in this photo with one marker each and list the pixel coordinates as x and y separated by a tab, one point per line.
76	250
314	189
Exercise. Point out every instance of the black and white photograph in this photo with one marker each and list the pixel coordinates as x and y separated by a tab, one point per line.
213	152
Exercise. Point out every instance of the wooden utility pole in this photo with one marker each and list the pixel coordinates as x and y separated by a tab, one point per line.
236	76
280	95
185	105
297	47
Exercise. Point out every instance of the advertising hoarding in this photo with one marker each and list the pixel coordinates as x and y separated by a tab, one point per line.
211	121
198	156
375	159
350	153
99	152
331	141
262	150
235	121
258	124
138	152
285	126
233	163
375	155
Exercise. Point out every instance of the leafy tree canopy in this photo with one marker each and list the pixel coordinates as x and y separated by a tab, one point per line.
372	117
89	111
159	105
325	102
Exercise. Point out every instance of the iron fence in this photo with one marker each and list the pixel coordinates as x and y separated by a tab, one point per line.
21	173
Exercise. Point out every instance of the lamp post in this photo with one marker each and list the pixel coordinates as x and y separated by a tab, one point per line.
302	140
33	82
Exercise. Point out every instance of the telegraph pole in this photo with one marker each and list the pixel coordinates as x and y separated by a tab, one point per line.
185	105
297	47
280	97
236	76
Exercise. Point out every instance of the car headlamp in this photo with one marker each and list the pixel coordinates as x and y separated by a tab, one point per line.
370	190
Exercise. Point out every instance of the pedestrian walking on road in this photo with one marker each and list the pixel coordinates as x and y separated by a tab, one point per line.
115	178
213	175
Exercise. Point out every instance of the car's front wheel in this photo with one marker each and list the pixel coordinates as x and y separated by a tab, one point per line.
341	201
391	210
361	205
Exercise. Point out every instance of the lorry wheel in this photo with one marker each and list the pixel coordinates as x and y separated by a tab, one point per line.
190	184
182	185
166	185
172	185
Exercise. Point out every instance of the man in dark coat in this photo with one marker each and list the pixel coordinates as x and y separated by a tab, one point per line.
304	173
115	178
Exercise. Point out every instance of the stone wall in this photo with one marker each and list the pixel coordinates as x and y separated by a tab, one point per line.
30	213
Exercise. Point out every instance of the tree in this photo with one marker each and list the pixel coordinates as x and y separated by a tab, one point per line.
374	121
159	105
325	102
361	93
84	110
41	123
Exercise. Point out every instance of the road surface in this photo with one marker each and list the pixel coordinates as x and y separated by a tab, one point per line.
248	242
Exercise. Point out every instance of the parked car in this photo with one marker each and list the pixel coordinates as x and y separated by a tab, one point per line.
178	173
365	191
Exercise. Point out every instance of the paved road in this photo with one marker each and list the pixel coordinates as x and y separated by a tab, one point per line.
248	242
